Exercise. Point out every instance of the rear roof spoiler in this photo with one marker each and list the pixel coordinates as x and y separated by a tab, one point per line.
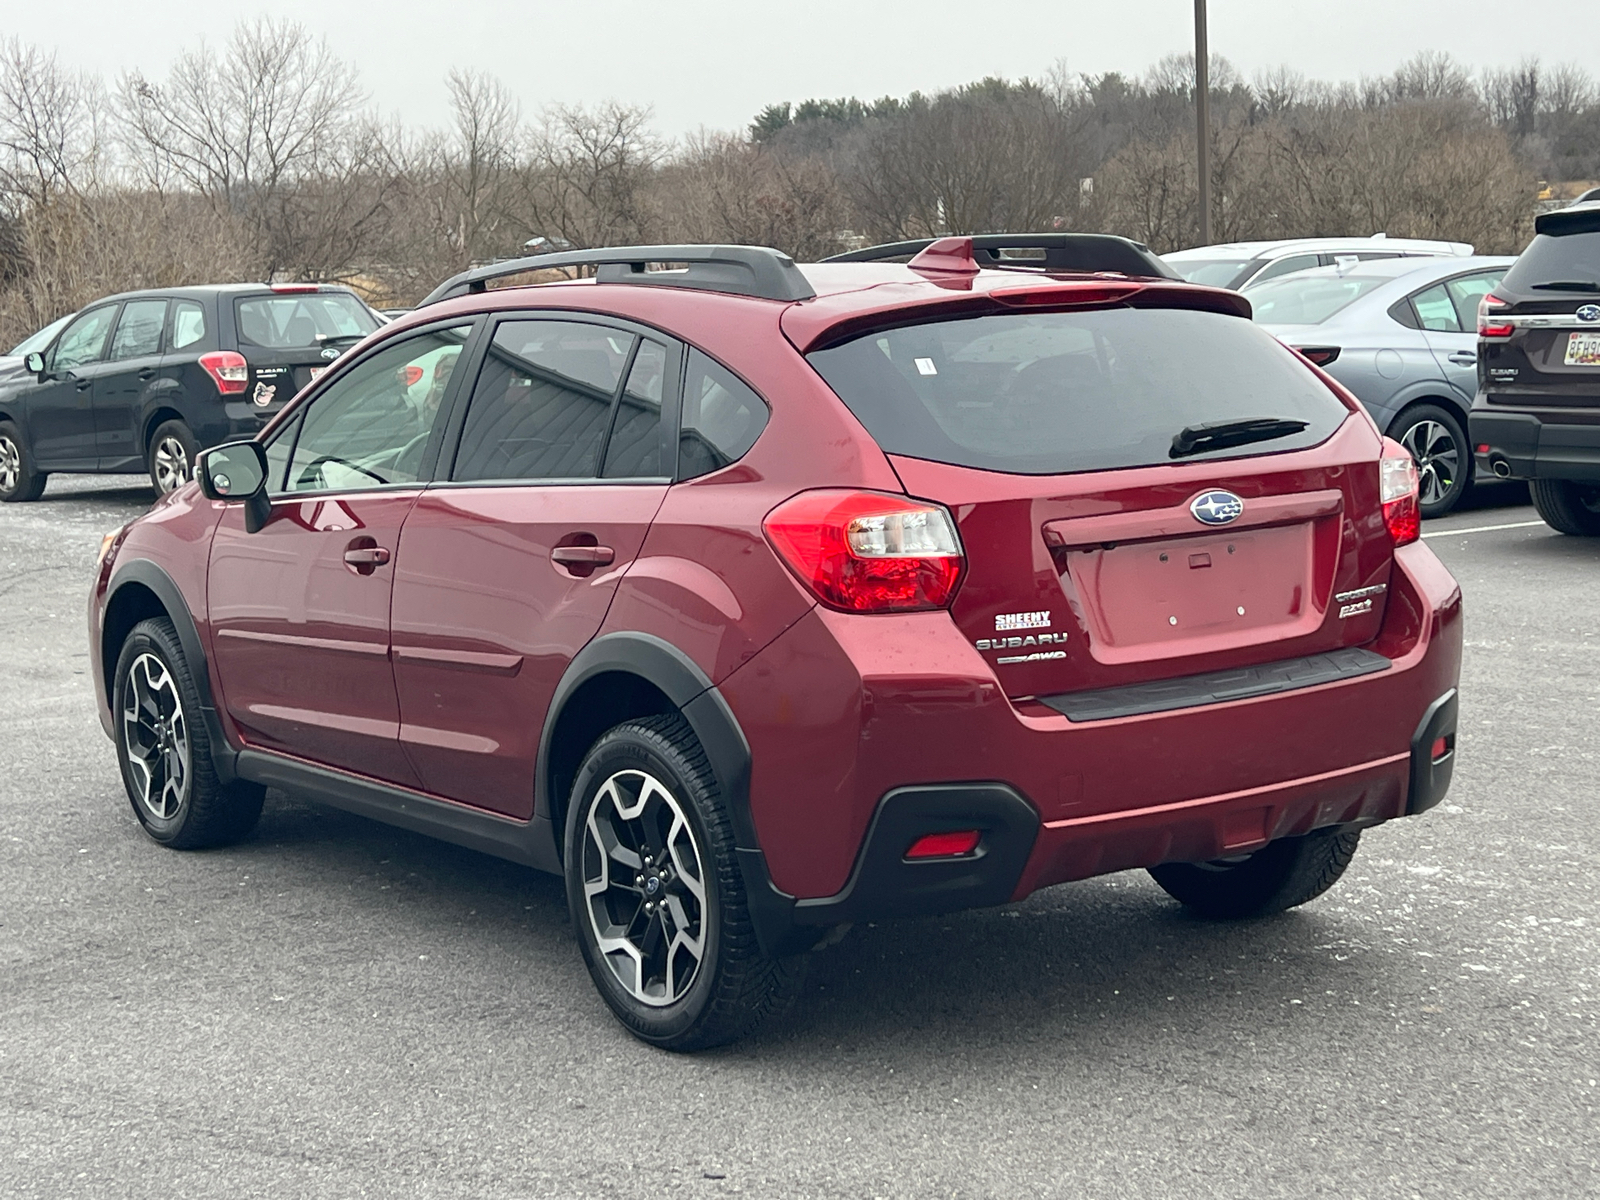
737	270
1048	253
1568	220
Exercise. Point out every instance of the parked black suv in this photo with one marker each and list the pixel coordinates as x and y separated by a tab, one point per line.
1537	412
143	381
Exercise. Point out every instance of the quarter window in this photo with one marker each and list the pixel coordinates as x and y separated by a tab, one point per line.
722	418
83	340
139	329
543	402
371	427
188	324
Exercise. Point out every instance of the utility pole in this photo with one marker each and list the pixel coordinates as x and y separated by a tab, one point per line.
1202	117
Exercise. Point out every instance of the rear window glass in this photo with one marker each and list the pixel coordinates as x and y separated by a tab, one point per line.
1308	299
1212	272
1048	393
293	322
1574	258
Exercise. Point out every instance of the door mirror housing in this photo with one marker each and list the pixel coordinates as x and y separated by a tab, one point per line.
236	472
35	363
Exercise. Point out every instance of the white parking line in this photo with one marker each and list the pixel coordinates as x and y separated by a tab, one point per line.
1482	529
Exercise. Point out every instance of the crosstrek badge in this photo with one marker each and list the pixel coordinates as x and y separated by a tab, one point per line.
1027	620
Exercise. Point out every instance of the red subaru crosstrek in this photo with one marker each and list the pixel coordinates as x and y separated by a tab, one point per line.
760	599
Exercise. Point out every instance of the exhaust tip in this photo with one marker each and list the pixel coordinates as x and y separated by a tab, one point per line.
1501	468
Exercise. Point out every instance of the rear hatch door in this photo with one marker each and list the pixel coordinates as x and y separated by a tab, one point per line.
289	336
1127	563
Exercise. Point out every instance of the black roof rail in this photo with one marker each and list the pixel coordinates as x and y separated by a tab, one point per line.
1061	252
739	270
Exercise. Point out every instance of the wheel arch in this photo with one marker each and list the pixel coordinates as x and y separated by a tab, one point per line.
157	416
138	591
1436	398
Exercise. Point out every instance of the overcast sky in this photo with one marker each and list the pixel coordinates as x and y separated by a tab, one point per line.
715	63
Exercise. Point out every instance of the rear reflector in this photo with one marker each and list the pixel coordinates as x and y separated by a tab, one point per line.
1397	487
228	370
1441	747
869	552
945	845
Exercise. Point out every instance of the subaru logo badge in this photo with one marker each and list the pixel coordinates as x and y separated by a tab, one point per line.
1589	312
330	353
1216	508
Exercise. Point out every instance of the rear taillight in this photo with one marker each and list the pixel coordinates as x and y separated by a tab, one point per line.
869	552
228	370
1321	355
1397	488
1492	322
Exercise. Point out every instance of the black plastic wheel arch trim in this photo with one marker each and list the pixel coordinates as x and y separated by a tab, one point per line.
1430	777
146	573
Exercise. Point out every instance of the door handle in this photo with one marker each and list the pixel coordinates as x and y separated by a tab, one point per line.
146	375
583	556
1464	358
83	385
362	557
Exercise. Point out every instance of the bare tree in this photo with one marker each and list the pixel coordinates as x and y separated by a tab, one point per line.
587	177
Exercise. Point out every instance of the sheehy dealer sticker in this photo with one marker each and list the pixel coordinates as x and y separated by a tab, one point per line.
1006	622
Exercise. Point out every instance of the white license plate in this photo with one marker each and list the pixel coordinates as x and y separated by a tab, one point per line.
1583	350
315	371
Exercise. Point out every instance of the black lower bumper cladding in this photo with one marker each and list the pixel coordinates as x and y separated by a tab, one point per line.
1430	772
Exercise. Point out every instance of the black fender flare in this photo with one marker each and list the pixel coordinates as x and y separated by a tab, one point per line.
224	756
689	690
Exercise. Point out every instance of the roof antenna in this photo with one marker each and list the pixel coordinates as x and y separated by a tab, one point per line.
947	256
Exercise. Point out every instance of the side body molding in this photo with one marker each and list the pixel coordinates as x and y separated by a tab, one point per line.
224	756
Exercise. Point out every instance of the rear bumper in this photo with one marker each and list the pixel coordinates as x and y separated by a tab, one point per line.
1524	445
924	710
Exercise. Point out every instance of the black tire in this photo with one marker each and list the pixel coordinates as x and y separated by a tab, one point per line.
732	986
1279	876
1568	507
170	456
168	743
19	480
1438	442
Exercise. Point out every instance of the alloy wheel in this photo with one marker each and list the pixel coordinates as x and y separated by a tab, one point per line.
1437	456
171	464
644	887
10	465
155	734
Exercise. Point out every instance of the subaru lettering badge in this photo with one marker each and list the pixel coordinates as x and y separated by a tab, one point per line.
1216	508
1589	312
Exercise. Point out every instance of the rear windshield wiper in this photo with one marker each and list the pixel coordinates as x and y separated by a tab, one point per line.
1567	285
1219	435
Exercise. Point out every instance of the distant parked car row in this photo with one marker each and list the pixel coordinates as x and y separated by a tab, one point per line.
144	380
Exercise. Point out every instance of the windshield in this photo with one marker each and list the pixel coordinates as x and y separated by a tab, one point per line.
292	322
1572	258
1049	393
1306	298
1213	272
41	339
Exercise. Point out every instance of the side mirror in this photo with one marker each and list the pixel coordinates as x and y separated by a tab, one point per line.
235	472
35	363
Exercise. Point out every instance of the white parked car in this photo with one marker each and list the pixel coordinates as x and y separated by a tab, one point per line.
1234	264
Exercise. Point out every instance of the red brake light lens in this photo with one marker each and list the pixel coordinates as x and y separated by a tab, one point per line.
228	370
1491	317
1321	355
293	289
411	375
1397	488
869	552
945	845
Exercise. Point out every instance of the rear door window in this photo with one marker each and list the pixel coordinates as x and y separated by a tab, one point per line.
634	449
1287	266
299	321
1049	393
542	403
1467	291
1435	310
139	329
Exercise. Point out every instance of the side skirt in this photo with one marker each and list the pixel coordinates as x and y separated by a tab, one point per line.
530	843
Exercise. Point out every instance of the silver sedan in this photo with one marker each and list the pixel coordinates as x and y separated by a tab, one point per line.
1402	334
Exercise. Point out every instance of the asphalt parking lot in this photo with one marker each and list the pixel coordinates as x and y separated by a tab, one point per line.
336	1008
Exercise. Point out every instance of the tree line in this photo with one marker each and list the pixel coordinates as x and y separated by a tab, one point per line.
267	161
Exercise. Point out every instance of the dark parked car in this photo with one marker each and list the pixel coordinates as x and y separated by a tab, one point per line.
761	599
1537	412
142	381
